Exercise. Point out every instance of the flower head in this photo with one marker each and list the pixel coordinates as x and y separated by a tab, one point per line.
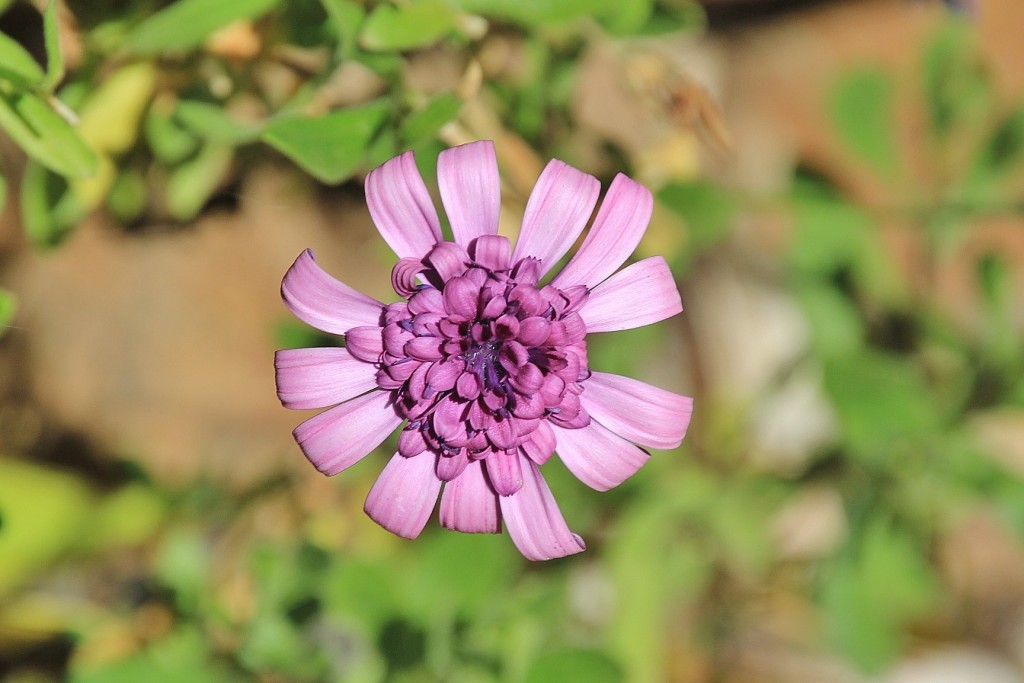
481	362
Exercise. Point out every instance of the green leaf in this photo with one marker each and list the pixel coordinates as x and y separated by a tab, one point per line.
707	209
538	12
111	114
869	597
575	664
182	563
45	136
51	39
210	121
8	307
170	142
423	125
332	146
418	23
955	81
3	191
346	18
884	405
182	655
185	24
44	514
128	196
836	326
862	111
48	208
17	65
997	162
194	181
834	236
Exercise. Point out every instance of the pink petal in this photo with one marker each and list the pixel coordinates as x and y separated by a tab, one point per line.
541	443
317	378
401	207
365	342
325	303
342	436
404	494
469	504
504	471
621	222
556	213
636	410
491	251
470	190
597	457
638	295
534	521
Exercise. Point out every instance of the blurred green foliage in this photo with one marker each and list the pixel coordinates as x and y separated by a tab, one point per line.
167	115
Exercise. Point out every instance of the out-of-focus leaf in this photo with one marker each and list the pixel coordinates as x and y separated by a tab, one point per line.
629	17
424	124
574	664
195	180
536	12
274	644
184	24
329	147
51	39
44	513
708	210
3	191
674	569
883	403
127	516
870	596
997	163
111	115
356	589
128	196
17	65
346	19
440	582
44	135
414	24
165	136
8	307
833	237
836	327
184	655
182	562
210	121
862	112
955	83
48	208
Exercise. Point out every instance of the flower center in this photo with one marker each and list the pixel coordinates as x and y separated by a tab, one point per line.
478	355
482	359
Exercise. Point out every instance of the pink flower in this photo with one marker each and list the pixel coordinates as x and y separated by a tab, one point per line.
484	365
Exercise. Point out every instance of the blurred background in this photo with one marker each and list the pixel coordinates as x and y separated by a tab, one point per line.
840	192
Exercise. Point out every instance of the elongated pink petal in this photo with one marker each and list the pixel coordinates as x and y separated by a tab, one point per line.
504	471
637	411
469	504
470	190
556	213
404	494
534	521
325	303
597	457
638	295
401	207
342	436
621	222
317	378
